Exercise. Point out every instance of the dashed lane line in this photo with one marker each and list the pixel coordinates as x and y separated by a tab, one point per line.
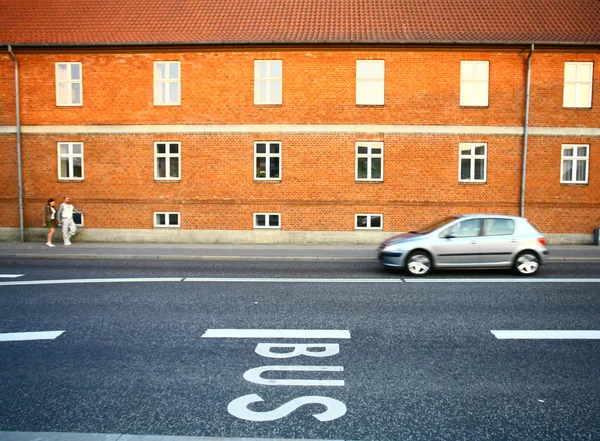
547	335
27	336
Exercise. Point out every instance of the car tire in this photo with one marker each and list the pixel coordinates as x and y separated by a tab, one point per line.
527	263
418	263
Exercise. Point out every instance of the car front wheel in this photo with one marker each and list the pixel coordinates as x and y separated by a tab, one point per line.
418	263
527	263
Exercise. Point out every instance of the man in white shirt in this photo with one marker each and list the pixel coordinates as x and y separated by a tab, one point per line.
65	214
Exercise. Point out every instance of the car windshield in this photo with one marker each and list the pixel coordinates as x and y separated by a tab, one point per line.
434	226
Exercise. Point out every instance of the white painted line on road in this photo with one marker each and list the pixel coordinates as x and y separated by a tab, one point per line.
71	281
287	280
290	280
66	436
24	336
10	276
277	333
547	335
501	280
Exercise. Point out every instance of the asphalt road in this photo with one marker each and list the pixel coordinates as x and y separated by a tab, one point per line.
420	363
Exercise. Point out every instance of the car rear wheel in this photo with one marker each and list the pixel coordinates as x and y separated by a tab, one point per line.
418	263
527	263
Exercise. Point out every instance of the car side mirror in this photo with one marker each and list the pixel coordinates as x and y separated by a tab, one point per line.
451	236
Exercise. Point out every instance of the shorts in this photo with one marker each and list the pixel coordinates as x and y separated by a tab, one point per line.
53	223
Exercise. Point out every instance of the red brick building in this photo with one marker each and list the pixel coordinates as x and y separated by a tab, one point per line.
303	121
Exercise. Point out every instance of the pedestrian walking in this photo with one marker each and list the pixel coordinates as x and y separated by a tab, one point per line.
50	221
65	214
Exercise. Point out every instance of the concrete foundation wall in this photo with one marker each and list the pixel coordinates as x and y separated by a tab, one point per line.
239	237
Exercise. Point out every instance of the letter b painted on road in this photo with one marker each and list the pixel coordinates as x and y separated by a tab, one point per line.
326	350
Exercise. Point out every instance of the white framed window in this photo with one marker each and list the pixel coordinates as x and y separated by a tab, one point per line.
578	84
267	220
574	164
369	161
267	160
166	220
268	76
368	221
70	161
370	82
474	83
472	162
167	161
167	83
78	219
69	84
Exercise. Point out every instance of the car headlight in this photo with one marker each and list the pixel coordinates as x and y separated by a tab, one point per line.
392	248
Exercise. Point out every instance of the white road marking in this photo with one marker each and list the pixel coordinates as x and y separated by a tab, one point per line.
547	335
500	280
291	280
10	276
277	333
74	281
254	376
288	280
24	336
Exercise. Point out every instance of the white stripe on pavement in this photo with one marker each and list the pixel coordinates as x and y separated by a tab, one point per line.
277	333
10	276
25	336
65	436
547	335
70	281
291	280
501	280
288	280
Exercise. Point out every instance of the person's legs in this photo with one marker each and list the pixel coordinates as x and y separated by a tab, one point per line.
50	237
65	231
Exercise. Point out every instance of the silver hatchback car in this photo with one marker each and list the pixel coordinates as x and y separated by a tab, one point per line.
471	241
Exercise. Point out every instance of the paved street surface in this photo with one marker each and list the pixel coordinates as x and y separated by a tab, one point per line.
95	348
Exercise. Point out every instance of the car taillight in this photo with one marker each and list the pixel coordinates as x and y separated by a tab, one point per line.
542	240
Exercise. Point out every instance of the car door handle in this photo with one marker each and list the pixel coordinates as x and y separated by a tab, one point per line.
473	242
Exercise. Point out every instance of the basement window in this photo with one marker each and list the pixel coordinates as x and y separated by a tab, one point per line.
267	220
162	220
368	221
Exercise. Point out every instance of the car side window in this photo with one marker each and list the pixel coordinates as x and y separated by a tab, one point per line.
466	228
498	227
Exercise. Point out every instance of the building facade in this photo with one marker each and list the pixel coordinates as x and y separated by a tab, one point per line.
297	142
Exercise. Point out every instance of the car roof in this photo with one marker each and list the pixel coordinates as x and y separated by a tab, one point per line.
487	215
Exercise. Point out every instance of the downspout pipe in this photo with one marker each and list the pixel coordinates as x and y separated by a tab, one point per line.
526	131
19	163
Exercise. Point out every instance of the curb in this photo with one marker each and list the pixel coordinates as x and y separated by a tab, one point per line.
180	257
235	258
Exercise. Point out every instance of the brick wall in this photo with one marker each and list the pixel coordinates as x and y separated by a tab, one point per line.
318	191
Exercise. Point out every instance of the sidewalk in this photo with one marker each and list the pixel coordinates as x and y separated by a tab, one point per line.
38	250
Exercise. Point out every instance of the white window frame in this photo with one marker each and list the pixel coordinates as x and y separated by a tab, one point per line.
75	216
274	84
69	83
370	88
473	75
167	215
267	155
267	215
472	157
574	160
167	156
578	84
369	222
70	156
369	156
158	97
